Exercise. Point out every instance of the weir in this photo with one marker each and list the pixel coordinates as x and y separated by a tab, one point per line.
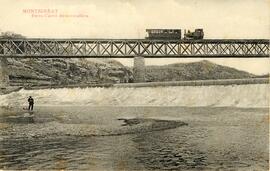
249	96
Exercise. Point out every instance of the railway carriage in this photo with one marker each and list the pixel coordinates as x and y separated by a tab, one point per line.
174	34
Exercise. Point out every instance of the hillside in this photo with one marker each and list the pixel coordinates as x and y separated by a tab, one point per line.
202	70
37	72
28	72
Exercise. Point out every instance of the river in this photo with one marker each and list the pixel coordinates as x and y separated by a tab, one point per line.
68	136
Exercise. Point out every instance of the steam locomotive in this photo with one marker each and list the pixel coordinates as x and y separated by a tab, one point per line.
174	34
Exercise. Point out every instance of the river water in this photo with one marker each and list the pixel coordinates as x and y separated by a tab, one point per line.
93	138
65	135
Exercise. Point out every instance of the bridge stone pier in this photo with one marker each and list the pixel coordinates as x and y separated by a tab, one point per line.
139	69
4	78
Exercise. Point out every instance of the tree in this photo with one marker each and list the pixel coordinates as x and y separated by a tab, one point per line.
11	35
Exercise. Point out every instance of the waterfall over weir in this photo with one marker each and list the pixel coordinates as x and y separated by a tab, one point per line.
255	95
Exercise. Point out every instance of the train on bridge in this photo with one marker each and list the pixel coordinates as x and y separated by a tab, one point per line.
160	43
174	34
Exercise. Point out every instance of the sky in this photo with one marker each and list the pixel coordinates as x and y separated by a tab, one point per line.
130	18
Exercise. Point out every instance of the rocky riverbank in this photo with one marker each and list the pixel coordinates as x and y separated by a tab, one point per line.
47	72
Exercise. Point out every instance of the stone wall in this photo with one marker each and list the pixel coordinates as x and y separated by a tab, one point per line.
139	69
4	78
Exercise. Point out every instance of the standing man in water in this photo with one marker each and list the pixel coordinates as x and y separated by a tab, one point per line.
31	103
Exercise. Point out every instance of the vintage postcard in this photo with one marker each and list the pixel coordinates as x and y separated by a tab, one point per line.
124	85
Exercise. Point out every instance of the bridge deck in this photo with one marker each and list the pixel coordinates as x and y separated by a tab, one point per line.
128	48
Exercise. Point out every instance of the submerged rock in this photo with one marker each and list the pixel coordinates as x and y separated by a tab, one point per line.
136	126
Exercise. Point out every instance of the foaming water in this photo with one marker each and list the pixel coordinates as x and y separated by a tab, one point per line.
256	95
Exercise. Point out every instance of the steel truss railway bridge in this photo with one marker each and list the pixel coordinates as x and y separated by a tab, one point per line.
130	48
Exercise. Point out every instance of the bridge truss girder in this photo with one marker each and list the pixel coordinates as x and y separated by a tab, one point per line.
128	48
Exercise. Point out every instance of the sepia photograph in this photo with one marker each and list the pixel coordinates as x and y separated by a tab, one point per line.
134	85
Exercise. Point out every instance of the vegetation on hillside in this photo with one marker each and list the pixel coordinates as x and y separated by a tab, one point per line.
203	70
